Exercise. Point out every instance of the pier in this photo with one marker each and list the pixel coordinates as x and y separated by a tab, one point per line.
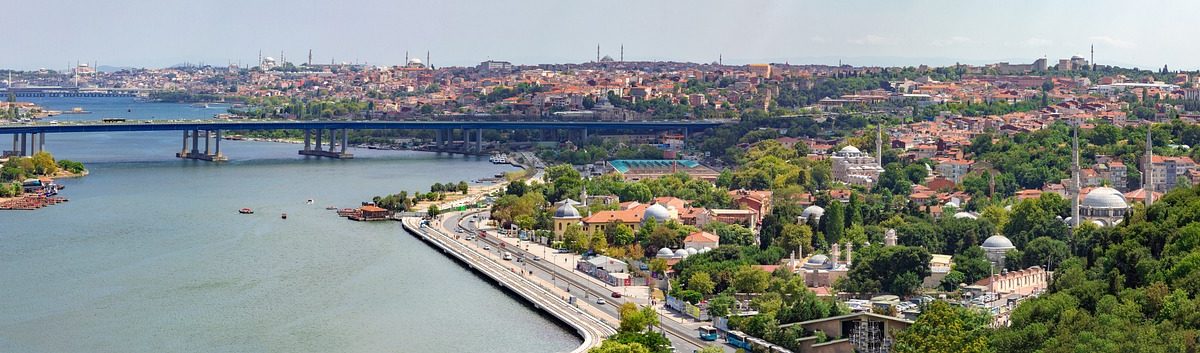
592	329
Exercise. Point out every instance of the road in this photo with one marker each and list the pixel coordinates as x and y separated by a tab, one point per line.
684	338
593	329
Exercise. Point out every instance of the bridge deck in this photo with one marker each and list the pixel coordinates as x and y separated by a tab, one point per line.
158	125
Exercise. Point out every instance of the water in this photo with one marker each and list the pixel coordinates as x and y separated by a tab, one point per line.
150	255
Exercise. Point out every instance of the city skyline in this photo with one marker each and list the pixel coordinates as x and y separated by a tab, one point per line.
458	34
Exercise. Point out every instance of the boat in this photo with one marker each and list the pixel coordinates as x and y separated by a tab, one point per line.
309	202
499	159
331	208
284	216
246	211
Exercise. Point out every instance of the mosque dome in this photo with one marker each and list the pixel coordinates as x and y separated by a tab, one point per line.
566	211
813	211
997	242
414	61
692	251
665	252
1104	197
849	150
705	249
681	253
658	212
967	215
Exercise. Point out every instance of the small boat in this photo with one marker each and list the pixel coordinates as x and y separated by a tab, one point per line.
310	201
331	208
246	211
284	216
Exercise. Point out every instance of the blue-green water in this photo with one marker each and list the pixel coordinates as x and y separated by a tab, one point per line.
150	255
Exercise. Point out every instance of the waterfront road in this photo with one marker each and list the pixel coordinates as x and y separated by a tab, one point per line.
561	274
593	329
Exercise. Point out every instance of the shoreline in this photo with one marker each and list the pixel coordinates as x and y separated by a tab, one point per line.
593	332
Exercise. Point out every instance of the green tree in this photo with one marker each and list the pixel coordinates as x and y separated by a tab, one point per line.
833	223
701	282
942	328
611	346
1044	251
750	280
432	211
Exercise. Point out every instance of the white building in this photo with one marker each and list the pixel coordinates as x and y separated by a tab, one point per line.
854	167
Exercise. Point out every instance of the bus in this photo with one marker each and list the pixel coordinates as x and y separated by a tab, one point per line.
113	120
738	339
708	333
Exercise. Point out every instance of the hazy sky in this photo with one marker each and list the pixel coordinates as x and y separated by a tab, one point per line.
157	33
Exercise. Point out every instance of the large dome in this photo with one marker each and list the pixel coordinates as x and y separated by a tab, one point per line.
998	242
658	212
665	252
849	150
1104	197
813	211
566	211
414	61
681	253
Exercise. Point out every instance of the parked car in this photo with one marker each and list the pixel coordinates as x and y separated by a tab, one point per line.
616	294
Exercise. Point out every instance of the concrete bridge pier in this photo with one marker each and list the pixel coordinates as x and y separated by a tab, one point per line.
479	140
319	151
24	146
211	138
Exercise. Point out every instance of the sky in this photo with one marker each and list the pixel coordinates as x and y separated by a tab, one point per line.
159	33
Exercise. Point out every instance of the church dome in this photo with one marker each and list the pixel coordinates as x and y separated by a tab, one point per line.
813	211
1104	197
658	212
566	211
997	242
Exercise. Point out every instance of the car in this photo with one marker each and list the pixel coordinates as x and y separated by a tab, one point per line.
616	294
508	256
487	247
601	301
537	258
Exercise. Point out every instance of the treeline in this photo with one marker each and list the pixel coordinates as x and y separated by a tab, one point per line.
402	202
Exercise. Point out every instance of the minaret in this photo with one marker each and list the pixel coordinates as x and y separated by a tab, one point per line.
406	58
309	57
1148	168
597	52
1093	57
427	63
1075	177
622	52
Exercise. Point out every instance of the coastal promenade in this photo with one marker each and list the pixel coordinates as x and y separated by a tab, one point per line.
592	329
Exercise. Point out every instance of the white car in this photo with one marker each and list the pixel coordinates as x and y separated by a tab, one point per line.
487	247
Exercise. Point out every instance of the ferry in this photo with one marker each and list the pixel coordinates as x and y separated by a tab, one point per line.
499	159
246	211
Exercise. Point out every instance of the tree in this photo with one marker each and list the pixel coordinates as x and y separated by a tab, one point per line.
612	346
701	282
43	163
1045	252
711	348
833	223
942	328
751	280
433	211
795	237
972	264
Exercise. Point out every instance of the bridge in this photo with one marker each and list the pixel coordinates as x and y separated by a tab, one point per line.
31	138
58	91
